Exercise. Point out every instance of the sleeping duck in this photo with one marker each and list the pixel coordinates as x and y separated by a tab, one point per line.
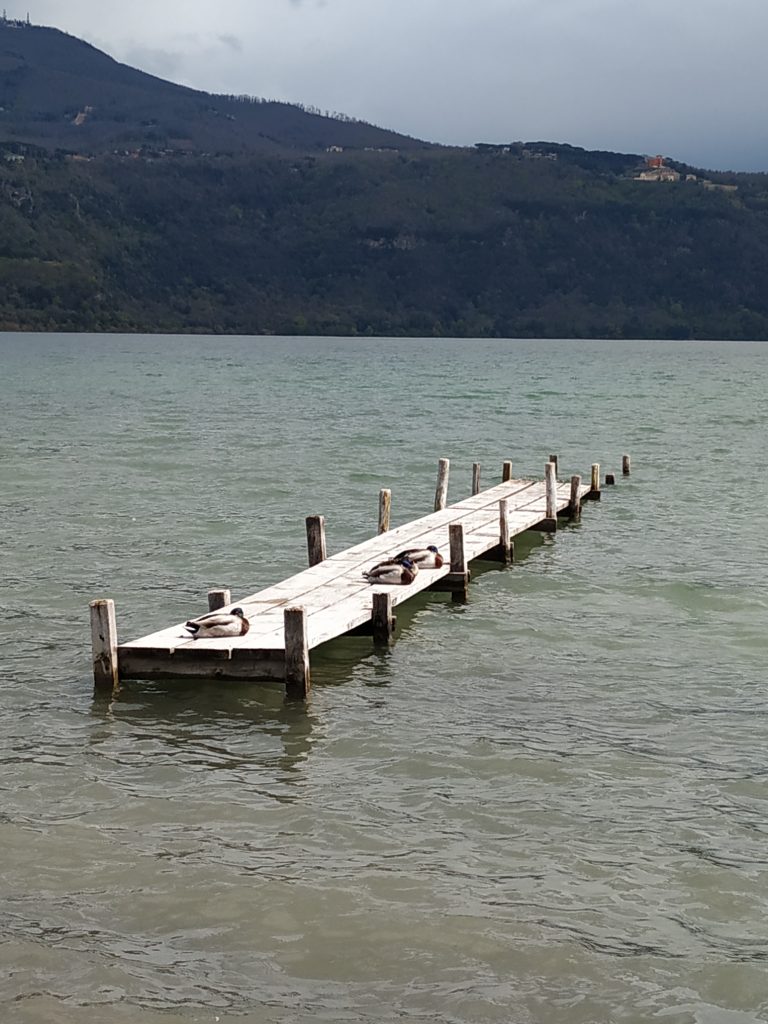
393	572
425	558
217	624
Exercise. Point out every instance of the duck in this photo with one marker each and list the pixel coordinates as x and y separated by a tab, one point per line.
217	624
402	572
426	558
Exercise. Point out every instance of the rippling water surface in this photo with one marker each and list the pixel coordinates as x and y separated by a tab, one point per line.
549	805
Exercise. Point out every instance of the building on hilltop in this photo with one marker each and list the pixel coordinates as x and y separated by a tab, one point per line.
656	170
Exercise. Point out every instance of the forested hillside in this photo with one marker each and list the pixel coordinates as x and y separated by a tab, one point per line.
461	243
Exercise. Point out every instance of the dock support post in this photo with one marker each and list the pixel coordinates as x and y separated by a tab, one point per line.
297	677
218	599
383	620
506	472
385	508
625	465
459	574
594	486
574	502
475	478
504	532
316	539
553	458
441	493
610	479
550	481
104	645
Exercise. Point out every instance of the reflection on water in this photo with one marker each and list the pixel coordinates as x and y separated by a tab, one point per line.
547	805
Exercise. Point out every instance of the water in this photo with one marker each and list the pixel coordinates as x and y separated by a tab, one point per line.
548	806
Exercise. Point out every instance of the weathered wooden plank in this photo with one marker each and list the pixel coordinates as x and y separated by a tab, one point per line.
382	618
316	539
574	499
385	509
218	599
104	645
297	677
441	491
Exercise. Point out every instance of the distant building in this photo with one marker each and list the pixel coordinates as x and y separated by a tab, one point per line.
656	170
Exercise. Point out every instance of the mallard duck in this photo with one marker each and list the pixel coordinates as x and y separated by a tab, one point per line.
217	624
425	558
392	572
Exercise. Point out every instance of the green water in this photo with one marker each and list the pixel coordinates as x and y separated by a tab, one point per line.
549	805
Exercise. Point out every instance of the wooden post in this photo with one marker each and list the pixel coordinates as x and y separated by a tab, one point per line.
574	503
553	458
385	508
506	472
297	678
610	479
316	539
456	540
625	465
551	491
459	575
504	531
475	477
594	486
441	493
218	599
382	619
104	645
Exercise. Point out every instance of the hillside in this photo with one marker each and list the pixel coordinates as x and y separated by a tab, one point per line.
462	243
131	203
59	92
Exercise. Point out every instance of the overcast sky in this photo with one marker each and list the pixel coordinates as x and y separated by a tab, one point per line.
683	78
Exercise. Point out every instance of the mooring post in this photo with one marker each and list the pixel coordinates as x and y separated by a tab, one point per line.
459	575
506	472
550	483
505	531
385	508
441	493
104	645
475	478
553	458
625	465
610	479
574	502
594	485
382	619
297	678
218	599
316	539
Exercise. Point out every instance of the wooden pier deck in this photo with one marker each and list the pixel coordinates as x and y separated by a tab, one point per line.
331	598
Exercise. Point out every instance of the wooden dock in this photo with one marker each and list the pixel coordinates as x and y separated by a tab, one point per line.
331	597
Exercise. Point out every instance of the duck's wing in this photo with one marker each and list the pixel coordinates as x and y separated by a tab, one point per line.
213	619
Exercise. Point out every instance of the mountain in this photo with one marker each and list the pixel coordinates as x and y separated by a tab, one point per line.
59	92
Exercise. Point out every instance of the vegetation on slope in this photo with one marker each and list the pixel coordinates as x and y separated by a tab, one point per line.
438	242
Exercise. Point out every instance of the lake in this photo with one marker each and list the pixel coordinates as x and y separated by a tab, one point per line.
546	806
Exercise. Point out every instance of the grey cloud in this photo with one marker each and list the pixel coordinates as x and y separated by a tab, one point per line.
232	42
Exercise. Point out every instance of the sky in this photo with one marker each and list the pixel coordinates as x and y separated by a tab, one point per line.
685	78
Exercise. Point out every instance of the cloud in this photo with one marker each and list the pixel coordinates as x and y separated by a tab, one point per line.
231	42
